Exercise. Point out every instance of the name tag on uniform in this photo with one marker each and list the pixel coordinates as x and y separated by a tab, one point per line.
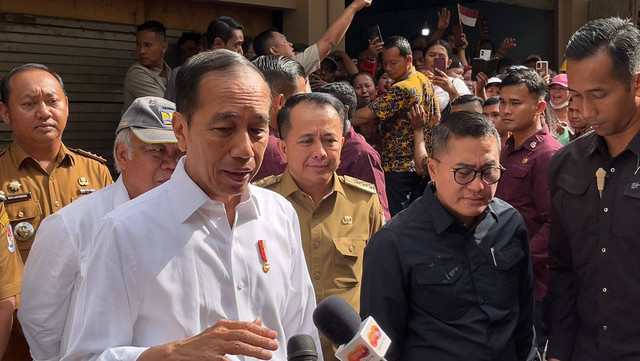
632	190
18	197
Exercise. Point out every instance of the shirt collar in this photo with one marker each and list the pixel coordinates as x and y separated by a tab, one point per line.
19	154
120	195
598	143
289	185
187	197
406	75
532	143
440	216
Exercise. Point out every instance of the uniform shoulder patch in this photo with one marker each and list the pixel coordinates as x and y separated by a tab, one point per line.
84	153
267	181
358	183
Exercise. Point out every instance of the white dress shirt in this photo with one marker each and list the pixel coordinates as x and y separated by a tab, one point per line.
167	266
56	267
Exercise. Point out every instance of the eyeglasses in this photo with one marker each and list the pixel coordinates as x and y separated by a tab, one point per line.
465	175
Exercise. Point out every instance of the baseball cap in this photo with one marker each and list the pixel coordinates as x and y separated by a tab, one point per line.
560	79
493	80
150	120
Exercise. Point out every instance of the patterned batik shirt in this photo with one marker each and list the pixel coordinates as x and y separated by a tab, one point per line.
391	110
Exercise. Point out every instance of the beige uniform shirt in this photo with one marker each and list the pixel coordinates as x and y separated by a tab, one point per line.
141	81
32	194
10	262
334	234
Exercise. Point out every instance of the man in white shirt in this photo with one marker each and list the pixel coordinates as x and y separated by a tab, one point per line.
173	269
272	42
146	154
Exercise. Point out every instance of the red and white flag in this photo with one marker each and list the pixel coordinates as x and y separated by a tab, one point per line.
467	16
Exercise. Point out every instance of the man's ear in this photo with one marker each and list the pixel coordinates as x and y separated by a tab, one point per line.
273	51
282	148
181	130
165	46
4	113
433	167
637	79
542	105
218	43
122	156
410	59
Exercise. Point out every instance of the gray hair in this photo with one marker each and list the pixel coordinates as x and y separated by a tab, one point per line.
123	137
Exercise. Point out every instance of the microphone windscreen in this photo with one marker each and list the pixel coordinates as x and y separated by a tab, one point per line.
336	320
301	348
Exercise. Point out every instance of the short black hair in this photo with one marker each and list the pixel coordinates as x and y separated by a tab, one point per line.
4	86
222	27
460	125
528	77
442	43
195	68
398	42
619	38
466	98
281	73
345	93
189	36
491	101
248	40
153	26
262	42
319	100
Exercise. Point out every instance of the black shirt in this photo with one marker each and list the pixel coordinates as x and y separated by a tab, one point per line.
440	293
595	252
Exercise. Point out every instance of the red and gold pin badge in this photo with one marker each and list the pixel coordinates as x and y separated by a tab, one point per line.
263	254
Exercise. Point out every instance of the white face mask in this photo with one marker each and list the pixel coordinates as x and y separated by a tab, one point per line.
560	106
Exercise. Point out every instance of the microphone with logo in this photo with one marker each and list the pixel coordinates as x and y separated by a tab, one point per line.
301	348
341	324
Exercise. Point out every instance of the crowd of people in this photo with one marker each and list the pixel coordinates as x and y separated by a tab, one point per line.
474	217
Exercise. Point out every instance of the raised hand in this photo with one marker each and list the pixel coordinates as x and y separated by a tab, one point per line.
444	18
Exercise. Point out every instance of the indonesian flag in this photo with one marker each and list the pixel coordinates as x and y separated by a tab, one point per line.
467	16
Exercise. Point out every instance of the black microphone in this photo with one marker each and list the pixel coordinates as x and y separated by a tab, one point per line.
301	348
341	324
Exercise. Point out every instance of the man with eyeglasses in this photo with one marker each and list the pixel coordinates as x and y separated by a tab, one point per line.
454	266
526	156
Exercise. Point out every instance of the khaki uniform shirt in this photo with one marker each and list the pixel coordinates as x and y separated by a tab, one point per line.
10	262
32	194
141	81
334	234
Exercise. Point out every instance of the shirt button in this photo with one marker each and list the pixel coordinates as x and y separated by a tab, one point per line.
606	209
604	290
240	285
317	275
352	248
604	250
613	170
316	245
57	204
604	328
482	301
21	214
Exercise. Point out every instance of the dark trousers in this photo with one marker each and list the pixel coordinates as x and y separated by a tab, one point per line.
402	189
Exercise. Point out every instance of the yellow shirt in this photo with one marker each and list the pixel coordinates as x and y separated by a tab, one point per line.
334	234
32	194
10	262
392	109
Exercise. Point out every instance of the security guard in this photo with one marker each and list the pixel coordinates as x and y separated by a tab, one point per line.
337	214
10	276
38	174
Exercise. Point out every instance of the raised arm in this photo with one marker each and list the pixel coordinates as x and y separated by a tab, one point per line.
338	29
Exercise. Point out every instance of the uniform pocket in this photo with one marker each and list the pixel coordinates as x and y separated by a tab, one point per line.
437	288
507	271
347	267
28	215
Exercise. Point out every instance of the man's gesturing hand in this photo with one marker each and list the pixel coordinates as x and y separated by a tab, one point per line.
225	337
